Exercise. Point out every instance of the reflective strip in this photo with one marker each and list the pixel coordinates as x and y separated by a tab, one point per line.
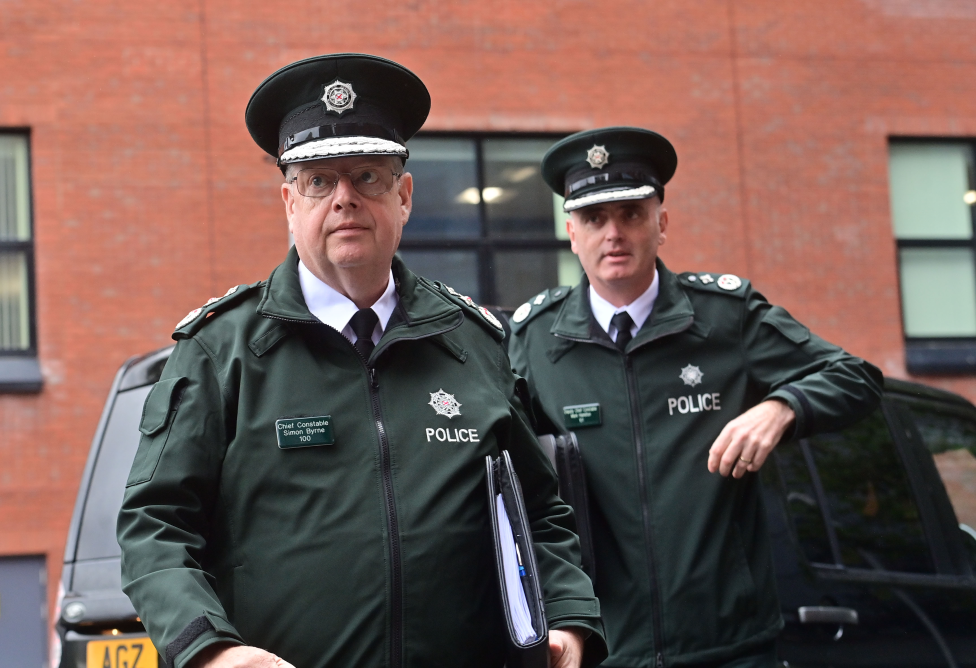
339	146
609	196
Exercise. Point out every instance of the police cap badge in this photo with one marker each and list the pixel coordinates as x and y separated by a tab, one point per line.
337	105
643	161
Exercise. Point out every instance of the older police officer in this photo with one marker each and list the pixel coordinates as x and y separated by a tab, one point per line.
668	379
286	499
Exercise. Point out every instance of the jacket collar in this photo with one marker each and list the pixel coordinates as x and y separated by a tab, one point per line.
420	311
672	313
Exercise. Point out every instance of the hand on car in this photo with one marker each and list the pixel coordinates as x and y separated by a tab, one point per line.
747	440
565	648
222	655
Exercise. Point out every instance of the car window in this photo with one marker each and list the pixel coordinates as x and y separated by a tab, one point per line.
118	448
869	498
951	438
801	499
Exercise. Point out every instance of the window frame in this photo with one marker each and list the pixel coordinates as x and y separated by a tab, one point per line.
19	369
946	558
942	354
484	244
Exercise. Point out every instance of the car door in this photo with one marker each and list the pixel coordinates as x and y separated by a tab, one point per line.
873	585
941	433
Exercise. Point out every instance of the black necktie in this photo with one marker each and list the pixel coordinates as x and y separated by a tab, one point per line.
363	323
623	322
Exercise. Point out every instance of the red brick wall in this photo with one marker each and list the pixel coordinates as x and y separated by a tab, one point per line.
150	197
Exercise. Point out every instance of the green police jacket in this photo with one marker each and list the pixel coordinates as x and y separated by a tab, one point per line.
290	495
683	563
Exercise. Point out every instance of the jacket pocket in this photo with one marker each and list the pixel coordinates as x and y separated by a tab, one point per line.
740	600
784	323
158	415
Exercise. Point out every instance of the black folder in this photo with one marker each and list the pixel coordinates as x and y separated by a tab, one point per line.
564	453
502	480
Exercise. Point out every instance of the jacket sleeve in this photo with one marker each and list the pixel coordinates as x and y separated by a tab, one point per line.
165	520
825	386
568	592
540	421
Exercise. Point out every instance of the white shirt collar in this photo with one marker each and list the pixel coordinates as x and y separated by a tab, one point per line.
639	309
336	310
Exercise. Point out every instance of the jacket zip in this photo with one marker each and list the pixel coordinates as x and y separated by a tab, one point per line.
396	596
645	510
392	523
642	485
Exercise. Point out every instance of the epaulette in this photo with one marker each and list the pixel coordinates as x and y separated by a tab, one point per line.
725	284
485	316
536	305
196	318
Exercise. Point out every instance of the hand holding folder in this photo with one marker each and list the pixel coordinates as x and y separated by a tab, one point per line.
518	573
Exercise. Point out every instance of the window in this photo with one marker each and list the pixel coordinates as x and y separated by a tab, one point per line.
933	192
19	370
949	432
851	501
483	220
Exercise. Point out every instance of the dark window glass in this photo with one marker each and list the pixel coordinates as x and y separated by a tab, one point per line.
445	189
458	269
96	539
932	189
518	203
519	274
869	498
801	499
16	247
951	438
483	220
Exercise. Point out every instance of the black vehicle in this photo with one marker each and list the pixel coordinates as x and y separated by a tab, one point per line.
875	559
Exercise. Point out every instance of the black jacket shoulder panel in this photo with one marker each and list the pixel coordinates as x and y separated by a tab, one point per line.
538	304
199	317
729	285
482	315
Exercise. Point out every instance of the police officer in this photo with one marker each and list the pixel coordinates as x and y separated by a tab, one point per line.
310	483
678	387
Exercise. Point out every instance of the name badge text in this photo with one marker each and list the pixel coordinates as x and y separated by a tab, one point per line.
304	432
582	415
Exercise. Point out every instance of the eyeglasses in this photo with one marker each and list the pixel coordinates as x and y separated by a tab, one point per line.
322	182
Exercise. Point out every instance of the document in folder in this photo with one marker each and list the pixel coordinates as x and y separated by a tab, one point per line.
514	572
519	584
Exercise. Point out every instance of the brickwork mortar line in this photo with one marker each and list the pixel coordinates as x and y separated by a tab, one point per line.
739	140
207	164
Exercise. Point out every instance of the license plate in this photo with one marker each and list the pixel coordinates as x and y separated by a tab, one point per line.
123	653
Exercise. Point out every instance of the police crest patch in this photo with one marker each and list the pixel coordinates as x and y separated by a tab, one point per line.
444	403
691	375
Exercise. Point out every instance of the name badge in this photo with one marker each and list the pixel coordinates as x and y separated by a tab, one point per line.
304	432
583	415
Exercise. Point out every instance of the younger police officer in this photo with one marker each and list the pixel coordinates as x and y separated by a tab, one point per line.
668	379
292	495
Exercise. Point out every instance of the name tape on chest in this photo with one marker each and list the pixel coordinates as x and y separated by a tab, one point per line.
304	432
582	415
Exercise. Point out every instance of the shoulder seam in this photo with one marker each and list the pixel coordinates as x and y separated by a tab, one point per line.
538	304
729	285
485	317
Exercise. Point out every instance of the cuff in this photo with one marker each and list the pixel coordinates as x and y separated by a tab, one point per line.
582	614
802	409
202	632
